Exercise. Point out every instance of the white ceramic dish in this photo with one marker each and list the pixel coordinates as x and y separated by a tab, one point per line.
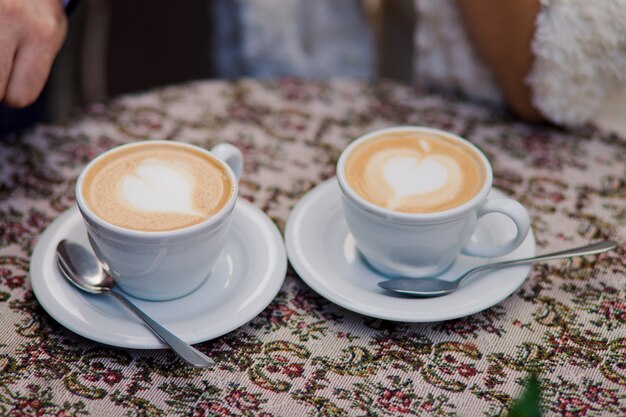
247	277
323	253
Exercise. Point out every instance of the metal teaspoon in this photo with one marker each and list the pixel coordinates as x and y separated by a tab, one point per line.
432	287
81	268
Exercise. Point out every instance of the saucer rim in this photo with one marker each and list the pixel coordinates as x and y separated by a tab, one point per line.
276	273
380	312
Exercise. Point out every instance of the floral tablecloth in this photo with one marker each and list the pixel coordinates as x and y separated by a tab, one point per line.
304	356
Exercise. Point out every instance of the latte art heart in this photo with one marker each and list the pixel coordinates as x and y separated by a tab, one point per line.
410	176
156	186
406	173
414	172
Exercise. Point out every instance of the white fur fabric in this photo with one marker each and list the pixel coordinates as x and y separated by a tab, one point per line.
580	57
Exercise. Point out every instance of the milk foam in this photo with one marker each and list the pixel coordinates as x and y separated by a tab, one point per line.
157	186
410	176
414	172
410	173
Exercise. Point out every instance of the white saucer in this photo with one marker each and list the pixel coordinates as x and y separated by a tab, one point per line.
246	279
323	253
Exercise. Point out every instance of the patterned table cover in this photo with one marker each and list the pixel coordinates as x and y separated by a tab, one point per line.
304	356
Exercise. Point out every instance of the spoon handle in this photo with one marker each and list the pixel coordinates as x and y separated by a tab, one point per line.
592	249
187	352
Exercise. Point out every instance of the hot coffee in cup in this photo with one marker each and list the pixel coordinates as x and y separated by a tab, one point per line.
413	172
412	197
157	187
158	213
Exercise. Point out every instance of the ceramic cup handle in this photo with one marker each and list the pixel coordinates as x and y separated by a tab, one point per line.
516	212
231	155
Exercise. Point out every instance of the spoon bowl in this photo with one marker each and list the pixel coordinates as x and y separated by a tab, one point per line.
82	269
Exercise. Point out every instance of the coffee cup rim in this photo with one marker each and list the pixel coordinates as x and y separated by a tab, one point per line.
402	217
216	218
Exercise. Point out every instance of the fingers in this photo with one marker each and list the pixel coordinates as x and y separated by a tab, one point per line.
29	42
9	37
6	63
31	67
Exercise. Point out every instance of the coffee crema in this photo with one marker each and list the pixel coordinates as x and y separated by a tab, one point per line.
414	172
156	187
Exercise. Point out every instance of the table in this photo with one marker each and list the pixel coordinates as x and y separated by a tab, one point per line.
304	356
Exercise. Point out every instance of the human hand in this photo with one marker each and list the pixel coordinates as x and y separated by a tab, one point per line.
31	34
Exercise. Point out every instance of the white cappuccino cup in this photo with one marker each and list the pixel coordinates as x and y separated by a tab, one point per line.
412	197
157	213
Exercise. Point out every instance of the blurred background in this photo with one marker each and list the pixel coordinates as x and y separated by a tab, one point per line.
117	46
